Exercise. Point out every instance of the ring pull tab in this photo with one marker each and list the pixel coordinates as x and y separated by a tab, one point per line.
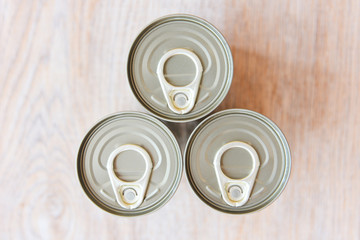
236	192
180	100
129	195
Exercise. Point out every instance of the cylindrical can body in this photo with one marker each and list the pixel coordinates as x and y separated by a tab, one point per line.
237	161
180	68
129	164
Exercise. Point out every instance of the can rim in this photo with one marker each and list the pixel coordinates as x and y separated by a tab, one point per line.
277	191
87	189
221	95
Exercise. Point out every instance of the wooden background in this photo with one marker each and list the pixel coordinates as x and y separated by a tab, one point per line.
63	67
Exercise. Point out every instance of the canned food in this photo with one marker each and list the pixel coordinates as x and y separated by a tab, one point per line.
180	68
129	164
237	161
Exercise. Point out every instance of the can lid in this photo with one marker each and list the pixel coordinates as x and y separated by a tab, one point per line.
237	161
129	164
180	68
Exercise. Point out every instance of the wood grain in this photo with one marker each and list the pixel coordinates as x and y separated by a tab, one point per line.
63	67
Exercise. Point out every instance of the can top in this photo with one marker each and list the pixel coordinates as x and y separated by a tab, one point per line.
251	150
180	68
129	164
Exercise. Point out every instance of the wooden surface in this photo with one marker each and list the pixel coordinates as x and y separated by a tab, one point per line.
63	67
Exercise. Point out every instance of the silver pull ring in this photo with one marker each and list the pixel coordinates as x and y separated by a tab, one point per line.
182	99
236	192
129	195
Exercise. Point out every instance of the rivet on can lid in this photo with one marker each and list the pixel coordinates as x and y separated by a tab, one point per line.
130	195
236	193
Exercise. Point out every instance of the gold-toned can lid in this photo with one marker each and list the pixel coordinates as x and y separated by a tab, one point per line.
129	164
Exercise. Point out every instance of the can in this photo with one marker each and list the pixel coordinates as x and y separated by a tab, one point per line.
180	68
237	161
129	164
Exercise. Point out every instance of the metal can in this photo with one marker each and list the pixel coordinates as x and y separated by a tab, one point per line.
180	68
237	161
129	164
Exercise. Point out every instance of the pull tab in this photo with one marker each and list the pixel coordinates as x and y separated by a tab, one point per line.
129	194
180	99
236	192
